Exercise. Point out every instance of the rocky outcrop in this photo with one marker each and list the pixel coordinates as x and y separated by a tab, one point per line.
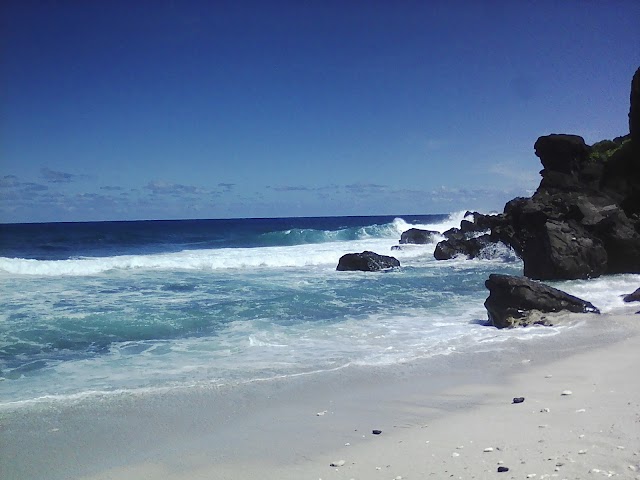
457	243
551	245
518	301
561	153
633	297
634	111
583	220
366	262
417	236
472	238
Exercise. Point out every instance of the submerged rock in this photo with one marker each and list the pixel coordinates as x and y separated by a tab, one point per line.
518	301
366	262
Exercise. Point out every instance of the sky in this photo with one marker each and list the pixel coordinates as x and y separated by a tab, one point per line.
125	110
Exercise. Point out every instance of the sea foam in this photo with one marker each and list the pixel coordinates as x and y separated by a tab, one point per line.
319	248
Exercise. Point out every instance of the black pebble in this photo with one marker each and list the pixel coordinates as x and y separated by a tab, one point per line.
518	400
502	469
376	432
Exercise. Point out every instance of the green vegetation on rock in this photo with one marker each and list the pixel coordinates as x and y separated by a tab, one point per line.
605	149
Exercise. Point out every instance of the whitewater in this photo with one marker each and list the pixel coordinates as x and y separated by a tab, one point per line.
122	308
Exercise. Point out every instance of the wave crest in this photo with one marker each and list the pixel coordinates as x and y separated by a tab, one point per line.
297	247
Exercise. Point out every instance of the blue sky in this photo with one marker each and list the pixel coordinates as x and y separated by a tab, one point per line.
118	110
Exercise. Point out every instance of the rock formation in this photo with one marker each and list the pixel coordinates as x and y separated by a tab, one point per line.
459	243
583	220
634	111
633	297
366	262
417	236
519	301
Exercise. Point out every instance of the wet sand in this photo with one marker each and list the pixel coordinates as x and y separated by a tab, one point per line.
443	417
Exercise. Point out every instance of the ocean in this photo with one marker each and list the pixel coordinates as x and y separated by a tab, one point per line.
120	308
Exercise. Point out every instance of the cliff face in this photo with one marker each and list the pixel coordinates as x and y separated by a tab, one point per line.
634	111
584	219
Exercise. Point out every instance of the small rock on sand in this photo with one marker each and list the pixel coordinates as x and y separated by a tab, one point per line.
503	469
544	410
339	463
488	449
518	399
376	432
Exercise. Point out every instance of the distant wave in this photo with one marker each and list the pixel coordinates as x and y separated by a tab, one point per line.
213	259
391	230
288	248
300	236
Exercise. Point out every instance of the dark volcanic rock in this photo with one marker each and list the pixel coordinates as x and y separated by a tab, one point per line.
513	301
366	262
563	250
634	110
620	178
583	220
418	236
470	239
452	247
633	297
561	153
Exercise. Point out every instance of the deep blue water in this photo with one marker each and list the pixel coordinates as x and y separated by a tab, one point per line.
59	241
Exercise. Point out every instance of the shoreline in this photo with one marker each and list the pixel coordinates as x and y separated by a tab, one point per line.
274	430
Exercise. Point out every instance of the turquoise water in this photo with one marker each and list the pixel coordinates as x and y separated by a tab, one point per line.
95	309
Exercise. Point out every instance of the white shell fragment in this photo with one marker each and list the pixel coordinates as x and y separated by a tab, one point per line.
567	392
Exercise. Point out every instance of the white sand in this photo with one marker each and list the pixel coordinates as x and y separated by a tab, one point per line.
434	425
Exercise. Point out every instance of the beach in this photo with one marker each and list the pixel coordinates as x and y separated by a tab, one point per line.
289	241
451	417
